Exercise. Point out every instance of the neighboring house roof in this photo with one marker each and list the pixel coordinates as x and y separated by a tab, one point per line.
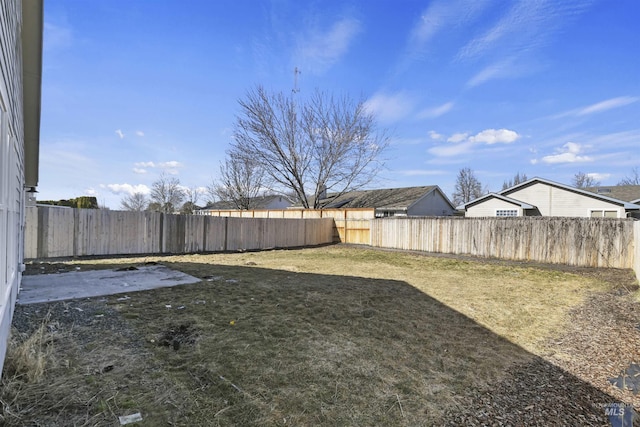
262	202
628	193
591	194
625	204
391	199
523	205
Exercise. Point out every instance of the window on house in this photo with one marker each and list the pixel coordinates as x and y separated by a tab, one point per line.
603	213
506	212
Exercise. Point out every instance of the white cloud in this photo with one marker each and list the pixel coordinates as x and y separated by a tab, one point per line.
126	188
90	192
461	143
443	15
171	167
502	69
525	26
599	176
458	137
493	136
449	150
389	108
431	21
568	153
432	113
145	165
321	49
119	133
139	133
435	135
599	107
608	105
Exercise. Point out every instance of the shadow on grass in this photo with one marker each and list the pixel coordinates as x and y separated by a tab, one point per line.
255	346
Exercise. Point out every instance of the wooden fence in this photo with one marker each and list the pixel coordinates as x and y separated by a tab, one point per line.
573	241
636	240
58	232
350	225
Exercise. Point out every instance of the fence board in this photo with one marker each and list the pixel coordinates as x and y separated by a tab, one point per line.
573	241
31	232
56	238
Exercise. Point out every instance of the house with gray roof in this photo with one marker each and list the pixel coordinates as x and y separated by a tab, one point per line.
542	197
628	193
262	202
407	201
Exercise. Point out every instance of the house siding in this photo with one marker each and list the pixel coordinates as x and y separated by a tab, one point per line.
489	207
12	164
554	201
432	204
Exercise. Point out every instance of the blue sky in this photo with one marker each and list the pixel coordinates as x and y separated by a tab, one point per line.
132	89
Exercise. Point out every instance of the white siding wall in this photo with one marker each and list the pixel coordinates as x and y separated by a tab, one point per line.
433	204
553	201
489	207
11	164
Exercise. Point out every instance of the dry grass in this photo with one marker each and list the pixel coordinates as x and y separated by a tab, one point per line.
27	357
325	336
26	361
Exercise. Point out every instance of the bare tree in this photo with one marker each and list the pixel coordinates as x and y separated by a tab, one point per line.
241	180
192	196
517	179
307	147
467	188
633	179
134	202
166	194
584	180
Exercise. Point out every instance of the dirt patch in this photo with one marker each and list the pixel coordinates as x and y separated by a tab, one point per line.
177	336
335	336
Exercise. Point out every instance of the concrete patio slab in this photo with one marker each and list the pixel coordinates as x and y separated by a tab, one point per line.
85	284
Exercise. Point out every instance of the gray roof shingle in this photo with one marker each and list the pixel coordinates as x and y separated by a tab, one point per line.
627	193
388	198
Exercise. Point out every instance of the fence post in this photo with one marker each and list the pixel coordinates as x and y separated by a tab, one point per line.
346	239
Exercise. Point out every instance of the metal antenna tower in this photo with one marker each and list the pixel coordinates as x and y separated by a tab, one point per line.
296	71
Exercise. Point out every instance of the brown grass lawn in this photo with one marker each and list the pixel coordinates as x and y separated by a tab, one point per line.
326	336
